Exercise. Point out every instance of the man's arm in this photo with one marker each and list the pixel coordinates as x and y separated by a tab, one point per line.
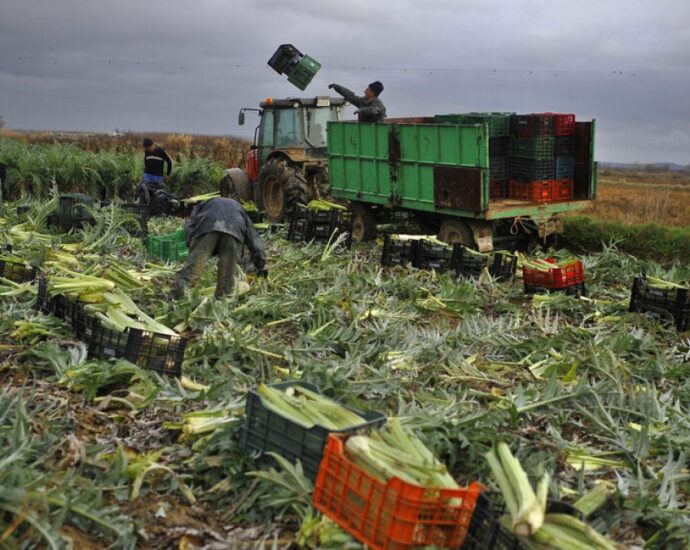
374	110
255	244
349	95
167	160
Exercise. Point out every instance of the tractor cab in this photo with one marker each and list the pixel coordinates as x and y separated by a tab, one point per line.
288	161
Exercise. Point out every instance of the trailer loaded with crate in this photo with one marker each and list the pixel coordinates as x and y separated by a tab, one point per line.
481	179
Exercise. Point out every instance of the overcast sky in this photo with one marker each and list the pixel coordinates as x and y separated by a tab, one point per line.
188	66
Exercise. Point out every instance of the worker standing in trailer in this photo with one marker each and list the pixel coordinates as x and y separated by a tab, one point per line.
371	108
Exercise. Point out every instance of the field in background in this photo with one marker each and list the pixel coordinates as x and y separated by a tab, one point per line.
643	196
226	150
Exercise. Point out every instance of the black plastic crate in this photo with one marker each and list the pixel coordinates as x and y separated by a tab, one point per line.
498	169
106	343
397	252
284	58
265	431
142	212
17	272
163	353
503	266
539	147
319	225
531	125
44	303
526	170
565	168
564	146
673	303
467	264
498	146
75	205
428	255
66	309
486	532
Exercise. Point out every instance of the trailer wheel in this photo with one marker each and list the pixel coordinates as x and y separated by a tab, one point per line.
281	187
363	223
456	231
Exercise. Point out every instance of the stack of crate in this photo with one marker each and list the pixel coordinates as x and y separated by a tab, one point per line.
542	162
499	131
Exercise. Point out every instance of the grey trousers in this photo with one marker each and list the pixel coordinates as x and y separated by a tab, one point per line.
200	253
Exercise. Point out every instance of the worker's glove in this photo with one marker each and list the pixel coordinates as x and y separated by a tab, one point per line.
262	273
331	86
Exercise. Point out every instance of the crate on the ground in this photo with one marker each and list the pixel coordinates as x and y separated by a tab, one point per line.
267	431
466	263
486	532
396	251
103	342
524	169
564	146
503	266
44	302
17	272
66	309
538	147
565	167
320	226
162	353
390	515
569	277
75	205
142	213
673	303
169	247
432	255
532	125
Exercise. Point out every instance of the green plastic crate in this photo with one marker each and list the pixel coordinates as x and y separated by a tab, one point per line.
302	73
170	247
499	123
539	148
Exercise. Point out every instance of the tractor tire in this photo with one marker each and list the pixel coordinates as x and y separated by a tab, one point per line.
456	231
280	188
363	223
236	185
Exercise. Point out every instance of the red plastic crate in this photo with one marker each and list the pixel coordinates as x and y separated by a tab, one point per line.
558	277
563	189
497	189
563	124
392	515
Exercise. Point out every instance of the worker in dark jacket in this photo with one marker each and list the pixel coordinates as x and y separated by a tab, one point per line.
157	169
218	227
371	108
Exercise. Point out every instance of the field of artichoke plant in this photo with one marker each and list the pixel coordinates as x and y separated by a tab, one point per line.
99	453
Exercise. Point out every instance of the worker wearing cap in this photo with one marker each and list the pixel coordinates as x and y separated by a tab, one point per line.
157	169
371	108
218	227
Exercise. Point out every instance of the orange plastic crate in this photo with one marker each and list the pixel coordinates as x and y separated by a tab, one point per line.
558	277
392	515
534	191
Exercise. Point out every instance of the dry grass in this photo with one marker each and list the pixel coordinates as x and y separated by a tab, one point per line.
640	197
225	150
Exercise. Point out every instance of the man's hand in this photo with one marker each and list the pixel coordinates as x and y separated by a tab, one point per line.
262	273
331	86
166	178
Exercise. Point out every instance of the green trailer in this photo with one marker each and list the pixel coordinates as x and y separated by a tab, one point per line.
440	172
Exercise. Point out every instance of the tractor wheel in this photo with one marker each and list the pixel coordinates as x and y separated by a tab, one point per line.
363	223
281	187
456	231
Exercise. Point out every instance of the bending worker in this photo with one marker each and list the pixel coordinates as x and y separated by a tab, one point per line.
218	227
157	169
371	108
